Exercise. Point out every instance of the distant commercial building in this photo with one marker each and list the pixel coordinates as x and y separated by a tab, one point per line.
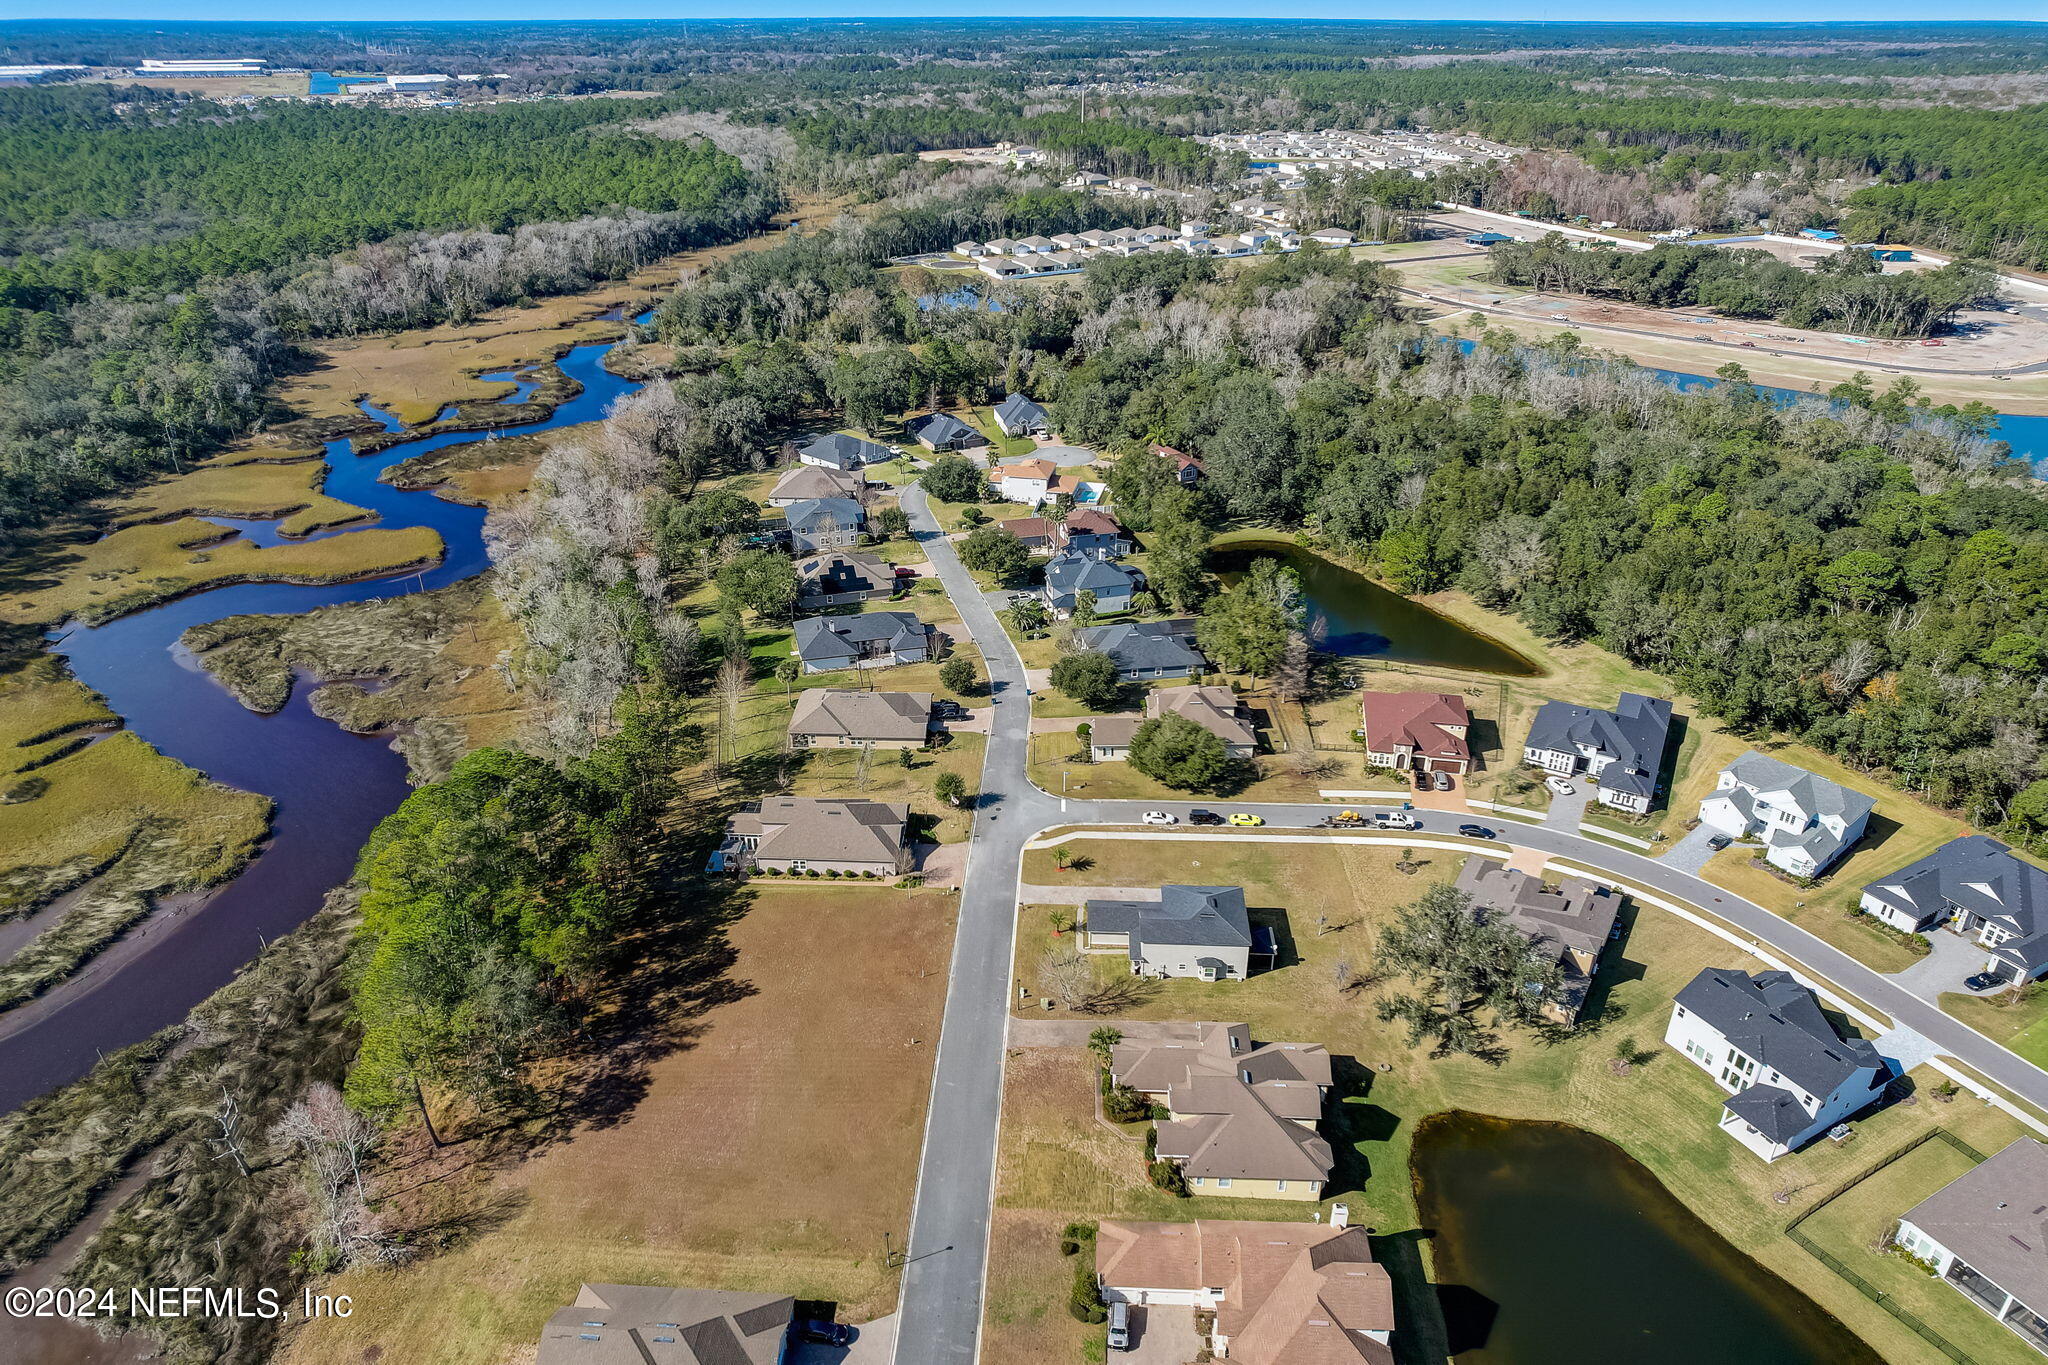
203	66
33	75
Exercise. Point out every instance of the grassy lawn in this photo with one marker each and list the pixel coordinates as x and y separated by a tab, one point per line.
1823	912
774	1150
1663	1112
1052	754
1855	1226
2018	1019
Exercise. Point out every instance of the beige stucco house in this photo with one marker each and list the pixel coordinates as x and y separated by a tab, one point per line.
802	834
841	718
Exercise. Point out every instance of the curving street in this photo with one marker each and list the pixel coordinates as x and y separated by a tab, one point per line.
939	1317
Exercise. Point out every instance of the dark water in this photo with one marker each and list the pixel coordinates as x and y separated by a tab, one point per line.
331	787
1554	1247
1359	617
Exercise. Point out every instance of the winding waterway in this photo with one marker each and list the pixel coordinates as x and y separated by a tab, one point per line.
331	787
1552	1246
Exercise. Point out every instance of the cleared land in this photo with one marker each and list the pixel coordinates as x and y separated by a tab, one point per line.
775	1151
1057	1163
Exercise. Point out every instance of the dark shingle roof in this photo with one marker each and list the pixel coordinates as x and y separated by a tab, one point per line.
1982	876
827	637
1774	1019
1634	734
1067	576
1136	645
845	452
1017	409
1197	916
1772	1111
812	513
941	427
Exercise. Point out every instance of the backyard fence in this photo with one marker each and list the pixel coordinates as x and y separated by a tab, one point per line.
1861	1285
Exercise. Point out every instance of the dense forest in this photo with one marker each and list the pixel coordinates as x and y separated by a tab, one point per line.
159	259
1843	292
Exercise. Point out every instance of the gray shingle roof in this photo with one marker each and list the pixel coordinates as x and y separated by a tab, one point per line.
1195	916
1068	575
862	715
1139	646
845	452
1777	1021
1017	410
814	513
1771	1110
1982	876
1995	1216
840	637
1634	734
842	571
631	1324
1577	915
941	427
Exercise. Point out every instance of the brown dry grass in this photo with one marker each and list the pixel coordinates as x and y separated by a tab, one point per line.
775	1152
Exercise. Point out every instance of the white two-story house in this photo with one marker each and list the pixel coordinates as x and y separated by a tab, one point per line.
1789	1076
1621	750
1805	822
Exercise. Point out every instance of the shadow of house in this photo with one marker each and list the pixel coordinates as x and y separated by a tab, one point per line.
1422	1338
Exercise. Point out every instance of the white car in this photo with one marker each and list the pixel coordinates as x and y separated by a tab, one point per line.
1559	785
1160	817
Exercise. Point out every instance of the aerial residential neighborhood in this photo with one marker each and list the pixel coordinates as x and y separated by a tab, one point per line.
961	689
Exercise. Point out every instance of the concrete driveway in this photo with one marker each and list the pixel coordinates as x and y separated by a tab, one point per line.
1066	457
1954	959
1162	1336
1690	854
1567	811
874	1343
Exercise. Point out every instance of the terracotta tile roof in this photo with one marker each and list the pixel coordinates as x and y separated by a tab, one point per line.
1416	720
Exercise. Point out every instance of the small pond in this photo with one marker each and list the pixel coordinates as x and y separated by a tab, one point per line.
1359	617
1554	1247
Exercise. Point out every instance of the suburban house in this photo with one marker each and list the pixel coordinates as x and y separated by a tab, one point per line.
1093	532
1186	468
840	718
1201	932
1028	481
873	639
840	578
1035	532
1622	750
1789	1076
835	450
1333	237
612	1323
1019	416
1148	649
1244	1117
1805	822
1084	180
1417	731
943	431
1068	575
1281	1293
799	834
824	523
1972	886
808	481
1215	709
1087	530
1574	921
1986	1233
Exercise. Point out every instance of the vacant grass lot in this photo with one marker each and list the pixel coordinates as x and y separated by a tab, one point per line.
775	1152
1663	1111
2017	1019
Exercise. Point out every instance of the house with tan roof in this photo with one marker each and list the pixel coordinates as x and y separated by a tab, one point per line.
840	578
1028	481
1575	919
637	1324
1417	731
1282	1293
841	718
1215	709
807	482
1244	1116
802	834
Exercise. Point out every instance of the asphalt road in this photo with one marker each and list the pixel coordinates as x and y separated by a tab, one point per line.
939	1316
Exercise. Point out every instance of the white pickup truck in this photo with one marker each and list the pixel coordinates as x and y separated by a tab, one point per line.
1395	819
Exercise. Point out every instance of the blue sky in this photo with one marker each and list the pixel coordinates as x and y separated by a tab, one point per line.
1639	11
